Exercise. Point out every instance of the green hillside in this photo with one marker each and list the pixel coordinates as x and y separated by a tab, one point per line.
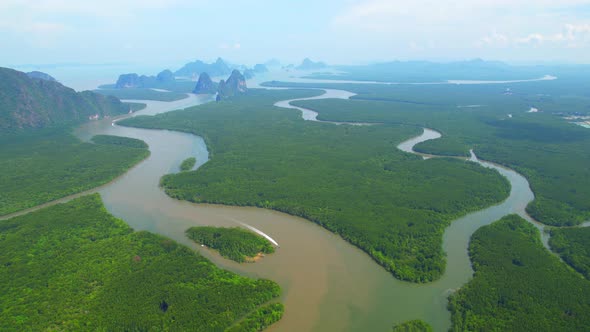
34	103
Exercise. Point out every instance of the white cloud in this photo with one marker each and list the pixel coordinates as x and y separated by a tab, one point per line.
388	15
572	35
43	23
494	38
39	34
45	27
533	38
573	32
380	15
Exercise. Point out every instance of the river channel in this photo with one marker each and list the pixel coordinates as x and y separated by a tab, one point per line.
328	284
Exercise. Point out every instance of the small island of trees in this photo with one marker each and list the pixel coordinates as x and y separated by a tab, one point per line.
188	164
233	243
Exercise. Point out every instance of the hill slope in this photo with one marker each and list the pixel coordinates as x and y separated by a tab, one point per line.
34	103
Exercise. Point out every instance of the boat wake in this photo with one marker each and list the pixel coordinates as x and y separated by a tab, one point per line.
256	230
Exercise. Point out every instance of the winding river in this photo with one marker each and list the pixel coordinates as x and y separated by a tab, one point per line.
328	284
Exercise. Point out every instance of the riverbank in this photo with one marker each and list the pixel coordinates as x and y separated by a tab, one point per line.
330	283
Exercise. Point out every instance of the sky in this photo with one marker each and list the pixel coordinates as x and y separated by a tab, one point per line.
172	32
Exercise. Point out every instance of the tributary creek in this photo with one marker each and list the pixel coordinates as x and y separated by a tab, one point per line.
328	284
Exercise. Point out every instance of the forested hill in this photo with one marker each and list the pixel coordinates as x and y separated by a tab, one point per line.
35	103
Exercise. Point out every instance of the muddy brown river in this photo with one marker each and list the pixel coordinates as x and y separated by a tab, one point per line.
328	284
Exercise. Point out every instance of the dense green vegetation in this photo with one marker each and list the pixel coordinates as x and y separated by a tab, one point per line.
34	103
74	267
413	326
119	141
188	164
573	245
142	94
553	154
260	319
518	285
350	179
44	165
234	243
134	107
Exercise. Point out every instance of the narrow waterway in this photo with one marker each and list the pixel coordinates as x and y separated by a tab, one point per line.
433	296
310	115
328	284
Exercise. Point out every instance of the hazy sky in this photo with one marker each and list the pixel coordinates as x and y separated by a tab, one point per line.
172	32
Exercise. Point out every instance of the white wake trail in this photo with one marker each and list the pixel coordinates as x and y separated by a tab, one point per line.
256	230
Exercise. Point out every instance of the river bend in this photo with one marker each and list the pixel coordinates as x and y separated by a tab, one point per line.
328	284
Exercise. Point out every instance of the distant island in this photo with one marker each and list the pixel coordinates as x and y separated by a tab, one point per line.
194	69
234	85
260	68
273	63
308	64
205	85
181	80
133	80
234	243
257	69
188	164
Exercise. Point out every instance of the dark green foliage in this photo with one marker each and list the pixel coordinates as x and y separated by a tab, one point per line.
48	164
260	319
36	103
350	179
554	155
234	243
74	267
518	285
413	326
573	245
134	107
188	164
142	94
120	141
